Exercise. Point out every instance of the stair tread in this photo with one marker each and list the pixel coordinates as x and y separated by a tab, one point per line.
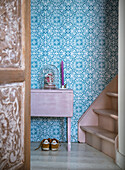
102	133
112	94
107	112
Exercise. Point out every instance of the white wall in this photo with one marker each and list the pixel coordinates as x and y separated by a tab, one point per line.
121	89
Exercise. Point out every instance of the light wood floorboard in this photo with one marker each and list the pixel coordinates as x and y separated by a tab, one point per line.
81	157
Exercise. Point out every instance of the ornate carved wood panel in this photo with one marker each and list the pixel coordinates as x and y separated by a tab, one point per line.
15	84
11	126
10	33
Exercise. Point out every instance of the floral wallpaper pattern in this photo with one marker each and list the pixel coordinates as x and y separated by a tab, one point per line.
84	34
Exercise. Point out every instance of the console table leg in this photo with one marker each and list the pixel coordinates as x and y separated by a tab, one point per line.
69	133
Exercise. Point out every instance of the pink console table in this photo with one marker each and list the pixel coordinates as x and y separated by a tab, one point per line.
53	103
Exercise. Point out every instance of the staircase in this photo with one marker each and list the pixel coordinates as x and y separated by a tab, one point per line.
98	126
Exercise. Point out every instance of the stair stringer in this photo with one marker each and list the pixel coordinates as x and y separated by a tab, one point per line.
103	101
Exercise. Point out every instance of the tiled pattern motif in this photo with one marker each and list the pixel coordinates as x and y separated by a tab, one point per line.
84	34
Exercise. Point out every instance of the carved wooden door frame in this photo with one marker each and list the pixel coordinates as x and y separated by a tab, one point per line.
15	83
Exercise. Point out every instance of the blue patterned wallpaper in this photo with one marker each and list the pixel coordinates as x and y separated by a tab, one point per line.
84	34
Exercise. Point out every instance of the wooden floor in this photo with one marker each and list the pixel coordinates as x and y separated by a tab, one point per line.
81	157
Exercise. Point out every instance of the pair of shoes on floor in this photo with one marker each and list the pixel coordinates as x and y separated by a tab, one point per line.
49	144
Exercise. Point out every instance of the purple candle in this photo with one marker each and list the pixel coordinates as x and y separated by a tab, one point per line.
62	73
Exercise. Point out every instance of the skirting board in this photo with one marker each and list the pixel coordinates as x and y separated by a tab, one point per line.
120	160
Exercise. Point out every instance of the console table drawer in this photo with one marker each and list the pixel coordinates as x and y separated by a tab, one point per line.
52	103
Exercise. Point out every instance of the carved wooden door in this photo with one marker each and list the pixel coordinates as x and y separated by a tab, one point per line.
14	84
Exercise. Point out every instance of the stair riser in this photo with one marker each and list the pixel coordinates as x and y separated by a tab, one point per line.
115	103
108	123
100	144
